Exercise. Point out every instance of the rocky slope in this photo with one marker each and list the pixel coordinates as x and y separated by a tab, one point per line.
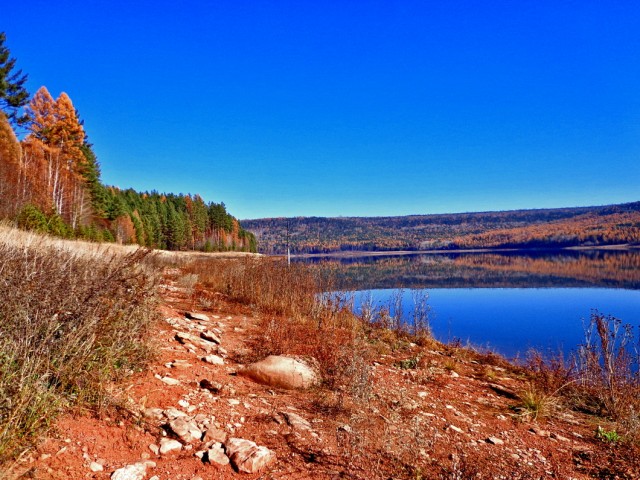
419	412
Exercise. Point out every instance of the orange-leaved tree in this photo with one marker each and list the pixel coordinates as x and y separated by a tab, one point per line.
54	159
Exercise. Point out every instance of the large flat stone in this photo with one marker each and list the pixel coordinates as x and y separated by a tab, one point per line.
281	371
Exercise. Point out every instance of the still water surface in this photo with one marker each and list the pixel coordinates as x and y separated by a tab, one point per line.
509	302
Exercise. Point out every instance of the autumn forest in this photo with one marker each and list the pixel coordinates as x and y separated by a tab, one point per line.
50	182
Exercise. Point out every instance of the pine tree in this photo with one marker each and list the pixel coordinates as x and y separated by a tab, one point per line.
13	94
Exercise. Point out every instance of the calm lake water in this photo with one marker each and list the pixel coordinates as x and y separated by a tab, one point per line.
508	302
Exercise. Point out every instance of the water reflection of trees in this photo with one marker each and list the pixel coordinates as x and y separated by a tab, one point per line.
617	269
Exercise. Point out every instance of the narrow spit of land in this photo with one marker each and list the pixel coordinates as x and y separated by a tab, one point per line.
428	412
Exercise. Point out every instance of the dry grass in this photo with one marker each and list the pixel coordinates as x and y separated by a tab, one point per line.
297	318
73	317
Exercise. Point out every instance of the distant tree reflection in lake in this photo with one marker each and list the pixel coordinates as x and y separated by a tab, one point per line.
507	301
566	268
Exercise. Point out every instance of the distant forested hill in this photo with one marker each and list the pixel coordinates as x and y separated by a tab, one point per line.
545	228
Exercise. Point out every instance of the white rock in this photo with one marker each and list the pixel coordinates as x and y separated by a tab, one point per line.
96	467
247	457
155	413
216	455
185	338
495	441
170	381
215	434
137	471
281	371
187	430
154	448
211	337
296	421
169	445
456	429
213	360
197	316
172	413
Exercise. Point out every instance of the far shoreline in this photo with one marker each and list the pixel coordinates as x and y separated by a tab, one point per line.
382	253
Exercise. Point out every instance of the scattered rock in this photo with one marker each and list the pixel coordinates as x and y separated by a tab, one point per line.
247	457
281	371
169	381
137	471
169	445
540	432
185	338
154	448
216	456
495	441
95	467
196	316
455	429
211	337
215	435
172	413
154	413
179	364
213	360
559	437
296	421
187	430
213	387
503	391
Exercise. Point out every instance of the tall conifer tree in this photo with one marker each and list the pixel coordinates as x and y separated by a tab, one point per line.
13	94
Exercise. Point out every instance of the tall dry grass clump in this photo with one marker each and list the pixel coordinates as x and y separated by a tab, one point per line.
608	366
72	319
602	377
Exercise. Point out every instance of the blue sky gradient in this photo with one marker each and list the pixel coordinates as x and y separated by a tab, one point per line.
349	108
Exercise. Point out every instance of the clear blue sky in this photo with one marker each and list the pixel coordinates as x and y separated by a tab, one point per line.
344	107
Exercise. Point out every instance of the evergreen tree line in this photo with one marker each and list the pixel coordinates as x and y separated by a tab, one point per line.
50	182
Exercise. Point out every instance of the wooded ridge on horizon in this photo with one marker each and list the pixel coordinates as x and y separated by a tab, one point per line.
542	228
